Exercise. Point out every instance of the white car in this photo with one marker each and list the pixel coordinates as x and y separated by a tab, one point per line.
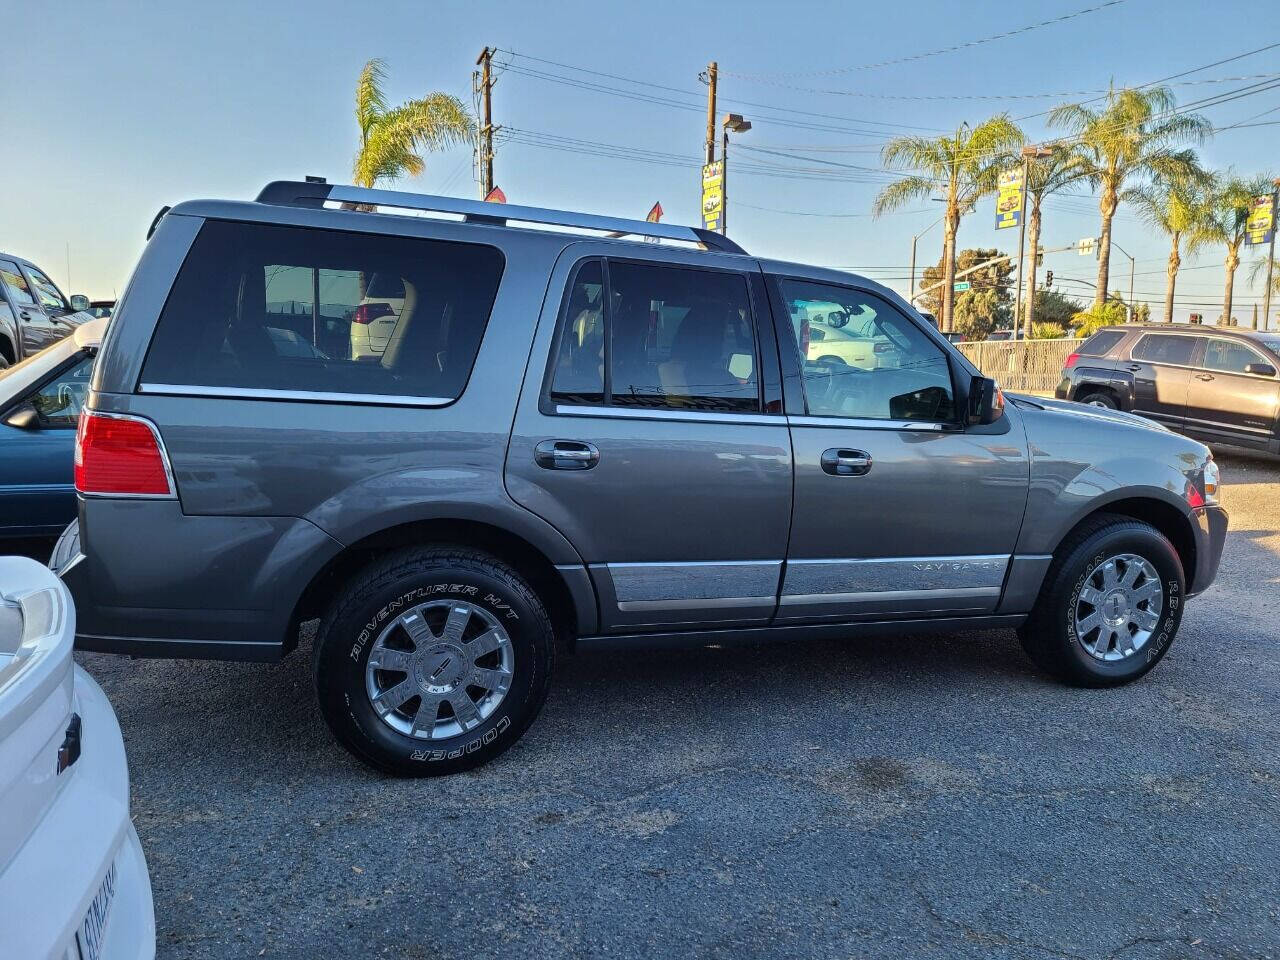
73	880
375	317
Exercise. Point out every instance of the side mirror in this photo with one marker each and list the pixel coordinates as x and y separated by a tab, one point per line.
986	401
23	418
1261	369
79	302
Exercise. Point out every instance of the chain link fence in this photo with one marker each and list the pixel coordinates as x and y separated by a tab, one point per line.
1023	366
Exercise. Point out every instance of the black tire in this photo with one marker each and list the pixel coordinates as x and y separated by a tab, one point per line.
1049	635
1100	398
380	593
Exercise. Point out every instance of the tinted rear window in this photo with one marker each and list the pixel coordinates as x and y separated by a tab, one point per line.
1100	344
257	306
1165	348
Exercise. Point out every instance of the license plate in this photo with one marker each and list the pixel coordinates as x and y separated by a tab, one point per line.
93	930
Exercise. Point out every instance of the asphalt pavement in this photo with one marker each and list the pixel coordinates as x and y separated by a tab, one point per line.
898	797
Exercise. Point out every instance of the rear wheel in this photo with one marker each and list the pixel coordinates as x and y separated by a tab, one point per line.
1110	606
433	661
1100	399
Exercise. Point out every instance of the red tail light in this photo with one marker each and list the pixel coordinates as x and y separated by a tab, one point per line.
118	455
1072	360
371	311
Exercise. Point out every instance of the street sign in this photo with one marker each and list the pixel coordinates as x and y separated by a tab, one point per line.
961	286
712	194
1087	246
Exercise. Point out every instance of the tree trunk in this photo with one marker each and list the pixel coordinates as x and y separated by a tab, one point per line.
1233	261
1033	244
950	226
1107	205
1175	261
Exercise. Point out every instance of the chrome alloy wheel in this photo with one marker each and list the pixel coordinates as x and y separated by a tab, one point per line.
1098	403
439	669
1119	607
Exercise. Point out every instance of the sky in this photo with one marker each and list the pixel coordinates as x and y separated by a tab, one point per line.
132	106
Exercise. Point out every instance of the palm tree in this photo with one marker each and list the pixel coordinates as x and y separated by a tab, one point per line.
393	139
1176	208
1133	137
1229	205
1061	170
966	166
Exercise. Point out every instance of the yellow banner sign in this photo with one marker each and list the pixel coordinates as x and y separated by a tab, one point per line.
1009	199
712	194
1262	220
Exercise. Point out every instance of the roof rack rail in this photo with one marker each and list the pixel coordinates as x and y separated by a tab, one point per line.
312	194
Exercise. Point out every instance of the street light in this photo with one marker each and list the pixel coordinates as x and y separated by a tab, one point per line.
1029	153
734	122
1131	265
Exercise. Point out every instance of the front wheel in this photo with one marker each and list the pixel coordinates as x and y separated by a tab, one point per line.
433	661
1100	399
1110	605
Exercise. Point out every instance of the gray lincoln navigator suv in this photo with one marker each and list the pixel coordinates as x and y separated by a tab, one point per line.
467	440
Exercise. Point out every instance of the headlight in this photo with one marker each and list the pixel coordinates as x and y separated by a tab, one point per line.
1211	481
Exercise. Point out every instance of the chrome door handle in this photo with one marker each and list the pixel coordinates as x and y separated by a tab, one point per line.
846	463
1135	367
566	455
1206	377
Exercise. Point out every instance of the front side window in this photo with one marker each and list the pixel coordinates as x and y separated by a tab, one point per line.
13	279
863	358
1166	348
59	401
664	337
1228	356
49	295
323	311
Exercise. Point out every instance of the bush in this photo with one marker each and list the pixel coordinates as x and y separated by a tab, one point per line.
1088	322
1047	331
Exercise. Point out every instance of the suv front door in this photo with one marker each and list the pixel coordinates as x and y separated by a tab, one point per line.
1161	367
901	511
1226	404
645	438
35	330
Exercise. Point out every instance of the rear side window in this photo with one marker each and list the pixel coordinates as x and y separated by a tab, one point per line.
1166	348
12	278
1100	344
266	307
663	337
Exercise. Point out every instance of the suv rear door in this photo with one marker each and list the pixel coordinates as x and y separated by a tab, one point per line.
35	330
1161	367
1224	403
650	433
900	509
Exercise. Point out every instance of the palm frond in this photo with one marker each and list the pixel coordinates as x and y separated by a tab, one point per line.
370	103
901	192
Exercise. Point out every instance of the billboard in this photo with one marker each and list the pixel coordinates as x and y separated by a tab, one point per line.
1009	199
1262	220
712	194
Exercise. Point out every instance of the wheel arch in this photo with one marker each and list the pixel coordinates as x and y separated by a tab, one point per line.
566	590
7	348
1169	518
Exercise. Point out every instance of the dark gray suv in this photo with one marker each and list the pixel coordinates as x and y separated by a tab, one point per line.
562	439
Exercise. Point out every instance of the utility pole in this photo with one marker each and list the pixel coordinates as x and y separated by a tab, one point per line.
1271	254
1132	262
712	69
485	62
734	122
1029	153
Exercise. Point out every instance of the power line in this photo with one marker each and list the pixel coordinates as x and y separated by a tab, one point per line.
770	77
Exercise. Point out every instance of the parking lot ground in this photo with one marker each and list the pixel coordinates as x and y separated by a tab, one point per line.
897	797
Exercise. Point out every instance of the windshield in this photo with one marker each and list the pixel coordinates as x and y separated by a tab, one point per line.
37	363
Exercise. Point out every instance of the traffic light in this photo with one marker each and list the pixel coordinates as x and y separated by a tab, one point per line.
1048	280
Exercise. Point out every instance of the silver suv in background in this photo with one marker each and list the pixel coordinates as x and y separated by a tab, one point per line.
579	439
33	311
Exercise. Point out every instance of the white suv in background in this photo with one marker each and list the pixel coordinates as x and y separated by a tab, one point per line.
375	318
73	880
